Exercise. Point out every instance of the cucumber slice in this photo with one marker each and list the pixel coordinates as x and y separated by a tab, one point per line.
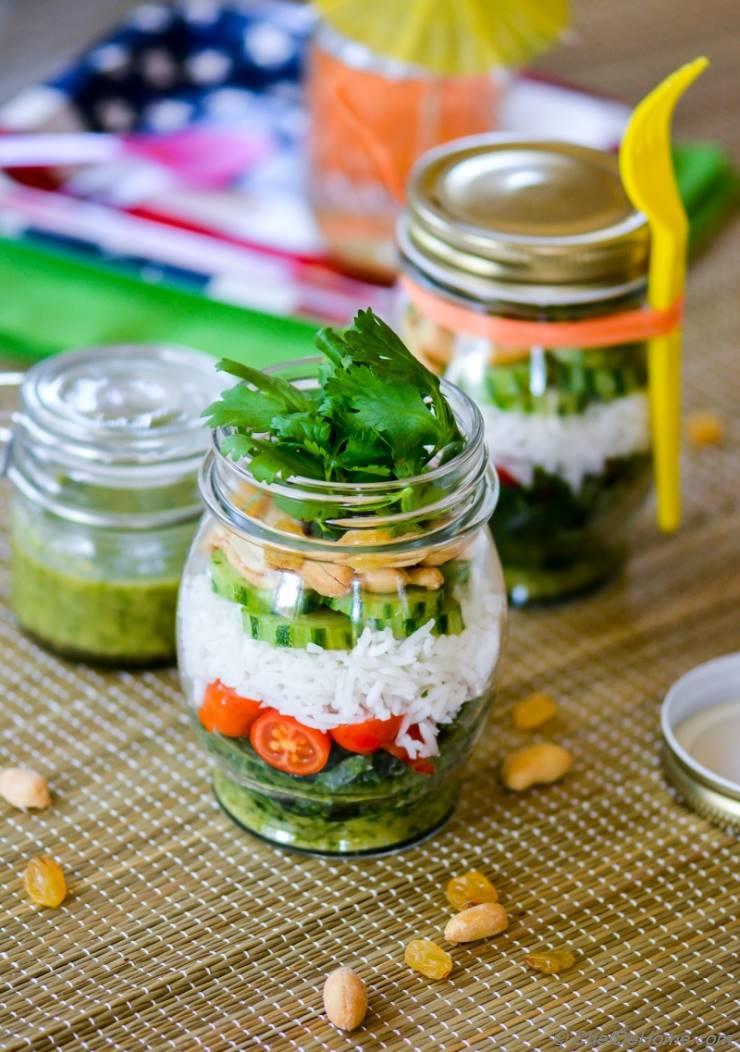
325	628
416	603
507	386
227	582
333	631
457	571
607	384
450	621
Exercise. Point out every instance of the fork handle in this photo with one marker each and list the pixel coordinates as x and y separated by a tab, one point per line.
664	365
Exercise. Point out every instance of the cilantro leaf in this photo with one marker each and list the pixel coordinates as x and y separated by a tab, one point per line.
377	413
304	431
273	386
237	446
270	462
253	407
241	407
394	412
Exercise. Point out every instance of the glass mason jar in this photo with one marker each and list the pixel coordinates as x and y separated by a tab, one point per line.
337	644
524	271
103	464
370	119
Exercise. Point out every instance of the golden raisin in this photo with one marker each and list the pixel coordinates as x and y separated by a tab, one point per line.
530	713
705	428
551	961
44	882
470	889
426	957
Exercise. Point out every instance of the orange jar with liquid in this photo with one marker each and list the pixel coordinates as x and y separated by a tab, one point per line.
371	119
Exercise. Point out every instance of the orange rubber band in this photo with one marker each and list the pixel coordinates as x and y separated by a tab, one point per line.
513	339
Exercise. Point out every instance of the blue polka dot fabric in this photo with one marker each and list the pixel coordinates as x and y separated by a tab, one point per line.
169	66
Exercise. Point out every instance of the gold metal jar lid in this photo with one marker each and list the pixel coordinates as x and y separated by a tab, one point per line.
701	738
534	221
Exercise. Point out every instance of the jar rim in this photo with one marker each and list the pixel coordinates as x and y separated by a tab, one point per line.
472	463
463	287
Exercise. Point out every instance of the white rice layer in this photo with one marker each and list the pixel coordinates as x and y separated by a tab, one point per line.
571	447
424	678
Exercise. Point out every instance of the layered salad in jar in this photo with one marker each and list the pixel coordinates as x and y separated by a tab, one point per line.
569	432
342	610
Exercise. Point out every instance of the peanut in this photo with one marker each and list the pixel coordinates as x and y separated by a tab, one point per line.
365	538
428	340
247	559
327	579
279	558
24	788
345	998
428	577
439	556
530	713
251	500
538	764
376	560
477	922
383	580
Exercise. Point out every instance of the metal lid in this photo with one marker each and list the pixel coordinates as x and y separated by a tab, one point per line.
523	213
701	732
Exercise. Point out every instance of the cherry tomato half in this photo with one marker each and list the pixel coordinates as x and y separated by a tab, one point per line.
227	712
367	737
422	764
505	477
288	745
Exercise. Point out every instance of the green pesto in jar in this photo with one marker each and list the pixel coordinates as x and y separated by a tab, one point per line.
103	468
122	621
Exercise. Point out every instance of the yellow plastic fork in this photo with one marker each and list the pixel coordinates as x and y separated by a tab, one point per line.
647	174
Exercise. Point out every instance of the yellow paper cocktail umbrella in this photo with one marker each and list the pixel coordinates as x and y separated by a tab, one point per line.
450	37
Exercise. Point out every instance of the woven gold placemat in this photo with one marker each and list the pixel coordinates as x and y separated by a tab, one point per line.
183	933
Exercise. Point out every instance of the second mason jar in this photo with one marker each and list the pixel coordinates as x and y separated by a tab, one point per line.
103	464
524	271
337	643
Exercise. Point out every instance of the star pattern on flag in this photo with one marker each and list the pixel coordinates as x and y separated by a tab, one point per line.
170	65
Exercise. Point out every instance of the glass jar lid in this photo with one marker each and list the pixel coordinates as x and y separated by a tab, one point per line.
518	215
95	424
122	404
701	735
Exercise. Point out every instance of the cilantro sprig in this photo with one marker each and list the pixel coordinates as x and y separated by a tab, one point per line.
376	414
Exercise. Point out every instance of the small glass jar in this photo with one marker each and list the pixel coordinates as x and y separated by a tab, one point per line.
370	119
103	464
337	644
517	257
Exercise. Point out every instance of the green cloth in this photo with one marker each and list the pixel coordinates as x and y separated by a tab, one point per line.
51	302
708	185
